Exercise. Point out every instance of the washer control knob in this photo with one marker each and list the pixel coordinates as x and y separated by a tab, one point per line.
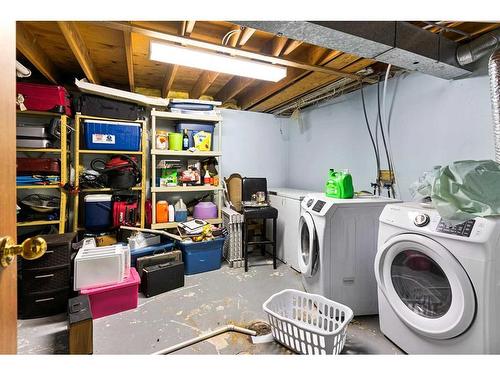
421	220
310	202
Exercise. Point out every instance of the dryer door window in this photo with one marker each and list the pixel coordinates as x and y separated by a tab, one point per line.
308	245
421	284
425	285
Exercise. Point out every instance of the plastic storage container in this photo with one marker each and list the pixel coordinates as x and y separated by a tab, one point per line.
201	256
112	299
98	212
149	250
112	135
195	127
175	141
308	323
161	212
205	210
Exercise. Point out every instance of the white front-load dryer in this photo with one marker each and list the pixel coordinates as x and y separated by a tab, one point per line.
438	285
337	244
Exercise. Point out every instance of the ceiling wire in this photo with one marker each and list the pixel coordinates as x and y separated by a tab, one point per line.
229	34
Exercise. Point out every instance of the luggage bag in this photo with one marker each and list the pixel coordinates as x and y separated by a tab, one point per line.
162	278
92	105
45	98
38	166
153	260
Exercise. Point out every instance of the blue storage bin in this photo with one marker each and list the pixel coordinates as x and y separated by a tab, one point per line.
201	256
149	250
112	135
98	212
195	127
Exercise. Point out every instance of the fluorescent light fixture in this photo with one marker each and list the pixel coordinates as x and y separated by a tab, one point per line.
200	59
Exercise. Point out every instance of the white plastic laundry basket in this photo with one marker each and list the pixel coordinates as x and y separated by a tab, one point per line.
308	323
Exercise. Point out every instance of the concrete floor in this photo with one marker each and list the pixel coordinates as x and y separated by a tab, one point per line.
206	302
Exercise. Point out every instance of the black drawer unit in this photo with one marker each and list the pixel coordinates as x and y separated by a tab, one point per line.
41	304
44	284
46	279
58	252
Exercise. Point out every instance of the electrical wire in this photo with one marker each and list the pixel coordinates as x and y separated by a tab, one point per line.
382	130
375	149
386	122
225	38
396	85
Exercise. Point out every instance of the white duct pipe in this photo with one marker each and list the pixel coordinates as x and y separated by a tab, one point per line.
206	336
494	73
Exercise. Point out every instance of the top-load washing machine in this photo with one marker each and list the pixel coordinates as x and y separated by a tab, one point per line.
337	247
438	285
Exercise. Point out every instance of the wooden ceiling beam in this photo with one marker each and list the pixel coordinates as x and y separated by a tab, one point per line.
129	54
79	49
189	27
207	78
246	34
203	83
291	46
313	54
235	85
229	50
27	44
484	29
169	79
312	82
278	43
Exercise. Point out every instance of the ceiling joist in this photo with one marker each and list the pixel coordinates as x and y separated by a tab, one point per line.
77	45
189	27
229	50
291	46
129	54
203	83
245	35
169	79
26	43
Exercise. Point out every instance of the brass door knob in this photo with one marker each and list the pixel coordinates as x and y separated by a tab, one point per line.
30	249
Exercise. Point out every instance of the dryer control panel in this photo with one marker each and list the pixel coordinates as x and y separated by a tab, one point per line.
464	229
318	206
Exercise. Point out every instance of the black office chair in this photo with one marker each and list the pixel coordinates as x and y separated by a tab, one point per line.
251	186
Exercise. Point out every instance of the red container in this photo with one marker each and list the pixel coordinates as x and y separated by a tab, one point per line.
112	299
44	166
45	98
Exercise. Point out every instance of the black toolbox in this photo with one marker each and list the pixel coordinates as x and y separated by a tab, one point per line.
161	278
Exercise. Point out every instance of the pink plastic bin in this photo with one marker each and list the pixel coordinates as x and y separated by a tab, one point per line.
112	299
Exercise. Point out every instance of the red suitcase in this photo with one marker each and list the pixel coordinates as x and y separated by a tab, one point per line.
42	166
46	98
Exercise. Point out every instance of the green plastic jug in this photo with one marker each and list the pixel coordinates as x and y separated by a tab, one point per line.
339	185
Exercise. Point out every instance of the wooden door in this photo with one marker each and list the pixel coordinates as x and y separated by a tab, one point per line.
8	276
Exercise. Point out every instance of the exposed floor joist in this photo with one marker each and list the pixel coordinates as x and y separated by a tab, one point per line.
129	54
207	78
26	43
225	49
255	95
75	41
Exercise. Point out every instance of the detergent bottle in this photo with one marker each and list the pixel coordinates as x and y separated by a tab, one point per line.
339	184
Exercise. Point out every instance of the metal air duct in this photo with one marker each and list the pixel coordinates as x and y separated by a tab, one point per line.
494	73
482	46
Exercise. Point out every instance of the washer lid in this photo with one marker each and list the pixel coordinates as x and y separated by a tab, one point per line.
425	286
308	244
